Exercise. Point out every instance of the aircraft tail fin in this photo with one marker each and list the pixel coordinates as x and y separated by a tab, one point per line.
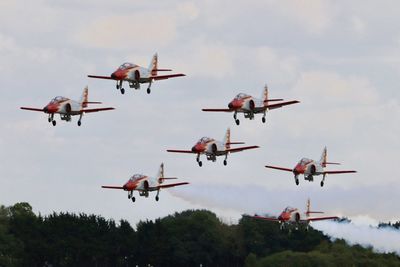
264	96
160	173
85	97
323	157
227	139
154	65
308	212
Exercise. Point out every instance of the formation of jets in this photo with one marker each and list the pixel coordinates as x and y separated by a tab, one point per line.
136	75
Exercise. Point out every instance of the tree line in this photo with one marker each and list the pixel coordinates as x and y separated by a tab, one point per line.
188	238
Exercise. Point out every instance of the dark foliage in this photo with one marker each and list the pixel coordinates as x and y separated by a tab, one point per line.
189	238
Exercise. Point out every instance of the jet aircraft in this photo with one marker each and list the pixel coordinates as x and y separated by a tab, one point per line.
135	75
145	184
68	108
309	168
249	105
293	217
213	148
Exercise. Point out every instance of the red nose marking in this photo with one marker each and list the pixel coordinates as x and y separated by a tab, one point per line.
235	104
198	148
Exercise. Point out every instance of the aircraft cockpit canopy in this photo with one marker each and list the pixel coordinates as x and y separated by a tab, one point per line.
126	65
58	99
304	161
205	140
288	209
136	177
240	96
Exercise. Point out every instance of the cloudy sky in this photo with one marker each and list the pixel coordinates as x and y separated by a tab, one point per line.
340	59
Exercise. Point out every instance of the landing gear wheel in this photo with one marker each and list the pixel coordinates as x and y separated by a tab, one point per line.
322	184
54	123
200	163
133	199
49	119
79	123
263	119
117	86
225	162
157	198
122	91
148	90
237	121
297	181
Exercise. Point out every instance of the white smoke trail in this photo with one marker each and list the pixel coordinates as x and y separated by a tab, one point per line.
383	240
249	199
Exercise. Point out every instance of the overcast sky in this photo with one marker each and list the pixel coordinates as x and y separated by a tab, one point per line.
341	59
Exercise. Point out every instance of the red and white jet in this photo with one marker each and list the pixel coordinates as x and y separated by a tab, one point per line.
135	75
67	108
212	148
292	216
309	168
248	105
145	184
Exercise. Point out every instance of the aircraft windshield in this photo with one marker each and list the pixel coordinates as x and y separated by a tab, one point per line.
136	177
58	99
126	66
304	161
288	209
240	96
204	140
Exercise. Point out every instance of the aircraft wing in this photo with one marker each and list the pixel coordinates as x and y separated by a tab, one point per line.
217	109
322	218
279	168
112	187
279	105
101	77
32	109
96	110
163	77
338	172
170	185
265	218
238	149
181	151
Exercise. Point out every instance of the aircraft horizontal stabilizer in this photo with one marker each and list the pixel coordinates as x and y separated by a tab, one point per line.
238	149
171	185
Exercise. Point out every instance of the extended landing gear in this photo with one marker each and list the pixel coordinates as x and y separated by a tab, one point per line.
157	198
54	123
133	199
297	181
323	180
122	91
80	120
225	160
148	90
236	119
199	161
263	119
